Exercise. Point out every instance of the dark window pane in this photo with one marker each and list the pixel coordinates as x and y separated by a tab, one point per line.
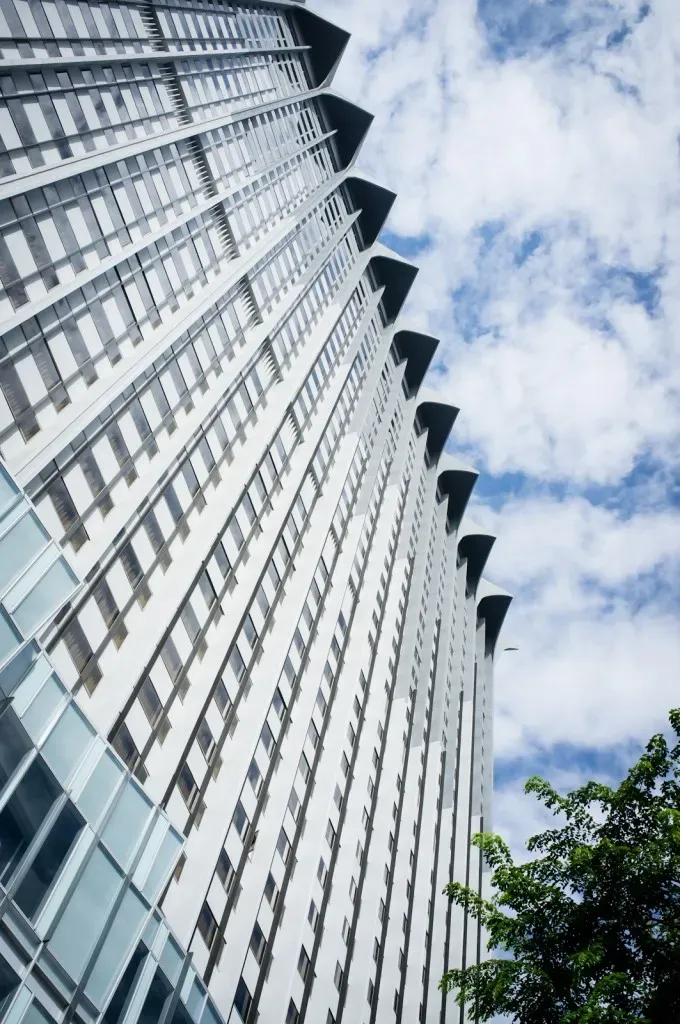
9	983
225	870
271	890
156	539
240	820
186	784
119	1000
125	747
49	860
242	999
171	659
23	814
156	999
78	646
14	745
67	512
207	925
258	943
222	560
206	740
190	621
150	701
222	698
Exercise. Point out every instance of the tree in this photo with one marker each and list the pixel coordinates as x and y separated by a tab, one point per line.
587	932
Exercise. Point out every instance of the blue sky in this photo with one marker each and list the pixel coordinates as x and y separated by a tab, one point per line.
533	145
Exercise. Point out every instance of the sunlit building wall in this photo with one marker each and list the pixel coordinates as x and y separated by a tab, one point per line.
246	647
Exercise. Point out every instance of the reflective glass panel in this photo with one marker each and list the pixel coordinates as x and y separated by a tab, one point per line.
68	742
49	860
14	745
81	923
24	813
19	546
8	490
99	788
9	636
125	828
43	707
123	934
45	598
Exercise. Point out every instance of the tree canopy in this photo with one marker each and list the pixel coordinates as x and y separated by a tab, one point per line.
588	931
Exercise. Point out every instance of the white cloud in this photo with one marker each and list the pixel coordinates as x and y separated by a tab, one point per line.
549	142
565	375
557	398
544	541
599	650
590	681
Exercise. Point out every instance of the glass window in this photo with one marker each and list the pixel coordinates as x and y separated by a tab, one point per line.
109	610
19	546
9	981
304	768
262	601
278	703
36	1015
186	783
14	745
225	870
283	846
267	738
43	707
114	1011
45	598
23	815
122	936
240	820
207	925
82	655
80	925
8	492
171	659
292	1017
222	698
250	631
23	675
294	804
206	740
258	943
237	663
156	998
68	742
150	701
313	734
255	776
127	823
313	915
271	891
49	860
242	1000
222	560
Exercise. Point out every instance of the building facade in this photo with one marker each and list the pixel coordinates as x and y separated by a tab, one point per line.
246	645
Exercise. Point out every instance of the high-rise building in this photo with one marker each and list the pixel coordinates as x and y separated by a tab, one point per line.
246	649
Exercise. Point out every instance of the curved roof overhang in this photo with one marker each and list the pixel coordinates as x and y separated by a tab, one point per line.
418	351
492	606
456	481
475	547
349	122
438	418
396	276
374	201
326	43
